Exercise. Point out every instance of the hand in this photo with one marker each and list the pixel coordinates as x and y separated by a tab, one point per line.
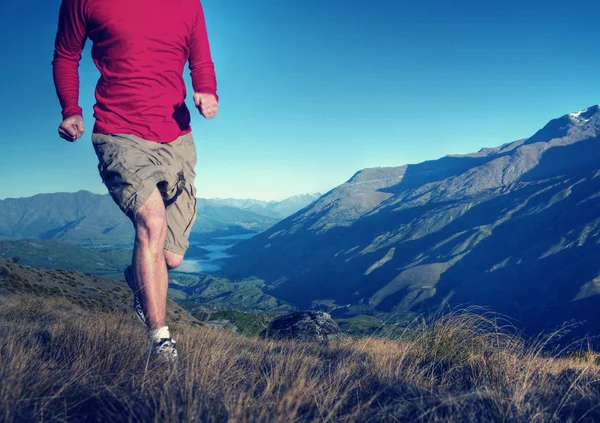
71	128
206	104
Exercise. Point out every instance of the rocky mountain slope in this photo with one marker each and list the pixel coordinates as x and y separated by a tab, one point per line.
515	228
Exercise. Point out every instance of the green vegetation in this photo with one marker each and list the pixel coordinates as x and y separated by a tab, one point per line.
46	254
361	325
207	292
249	324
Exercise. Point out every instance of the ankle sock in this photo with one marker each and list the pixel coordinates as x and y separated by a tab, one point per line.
158	334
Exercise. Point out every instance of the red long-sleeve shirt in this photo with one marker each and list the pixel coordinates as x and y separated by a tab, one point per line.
140	48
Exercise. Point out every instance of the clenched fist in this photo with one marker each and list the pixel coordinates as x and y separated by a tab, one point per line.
71	128
207	105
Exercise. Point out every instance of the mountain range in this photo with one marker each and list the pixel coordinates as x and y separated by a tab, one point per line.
514	228
93	220
275	209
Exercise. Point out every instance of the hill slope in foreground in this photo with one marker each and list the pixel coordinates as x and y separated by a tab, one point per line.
90	292
64	360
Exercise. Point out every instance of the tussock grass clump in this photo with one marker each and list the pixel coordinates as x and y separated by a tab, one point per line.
59	362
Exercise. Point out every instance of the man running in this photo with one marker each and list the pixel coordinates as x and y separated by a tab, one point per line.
142	133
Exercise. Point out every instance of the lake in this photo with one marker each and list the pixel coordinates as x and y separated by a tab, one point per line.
217	248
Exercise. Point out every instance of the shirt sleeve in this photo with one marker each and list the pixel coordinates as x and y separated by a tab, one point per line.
68	45
202	68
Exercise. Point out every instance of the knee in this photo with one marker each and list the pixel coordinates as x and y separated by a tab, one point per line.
173	260
151	228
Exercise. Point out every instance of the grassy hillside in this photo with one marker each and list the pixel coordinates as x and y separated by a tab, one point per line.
89	292
48	254
64	360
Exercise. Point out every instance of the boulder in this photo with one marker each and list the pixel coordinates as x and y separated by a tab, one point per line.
302	326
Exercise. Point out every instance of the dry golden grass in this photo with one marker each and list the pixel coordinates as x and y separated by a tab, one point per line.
60	363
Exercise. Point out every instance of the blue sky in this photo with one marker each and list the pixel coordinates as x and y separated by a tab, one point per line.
313	91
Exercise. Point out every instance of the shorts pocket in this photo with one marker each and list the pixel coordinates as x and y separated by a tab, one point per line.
123	185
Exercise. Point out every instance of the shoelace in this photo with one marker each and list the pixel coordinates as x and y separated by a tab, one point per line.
166	347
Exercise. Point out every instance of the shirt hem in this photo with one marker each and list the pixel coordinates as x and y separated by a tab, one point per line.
145	136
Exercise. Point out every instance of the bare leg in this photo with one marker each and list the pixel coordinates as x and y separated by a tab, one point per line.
149	266
173	260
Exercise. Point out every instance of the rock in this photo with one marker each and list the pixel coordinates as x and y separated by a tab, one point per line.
302	326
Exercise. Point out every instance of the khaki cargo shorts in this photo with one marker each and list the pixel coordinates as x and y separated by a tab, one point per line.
132	167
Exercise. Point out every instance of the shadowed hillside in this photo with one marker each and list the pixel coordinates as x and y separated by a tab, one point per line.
80	218
515	228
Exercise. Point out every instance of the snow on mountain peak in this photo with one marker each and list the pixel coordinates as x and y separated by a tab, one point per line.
583	116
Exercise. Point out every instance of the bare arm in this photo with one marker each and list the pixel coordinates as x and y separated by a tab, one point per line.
202	68
68	45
